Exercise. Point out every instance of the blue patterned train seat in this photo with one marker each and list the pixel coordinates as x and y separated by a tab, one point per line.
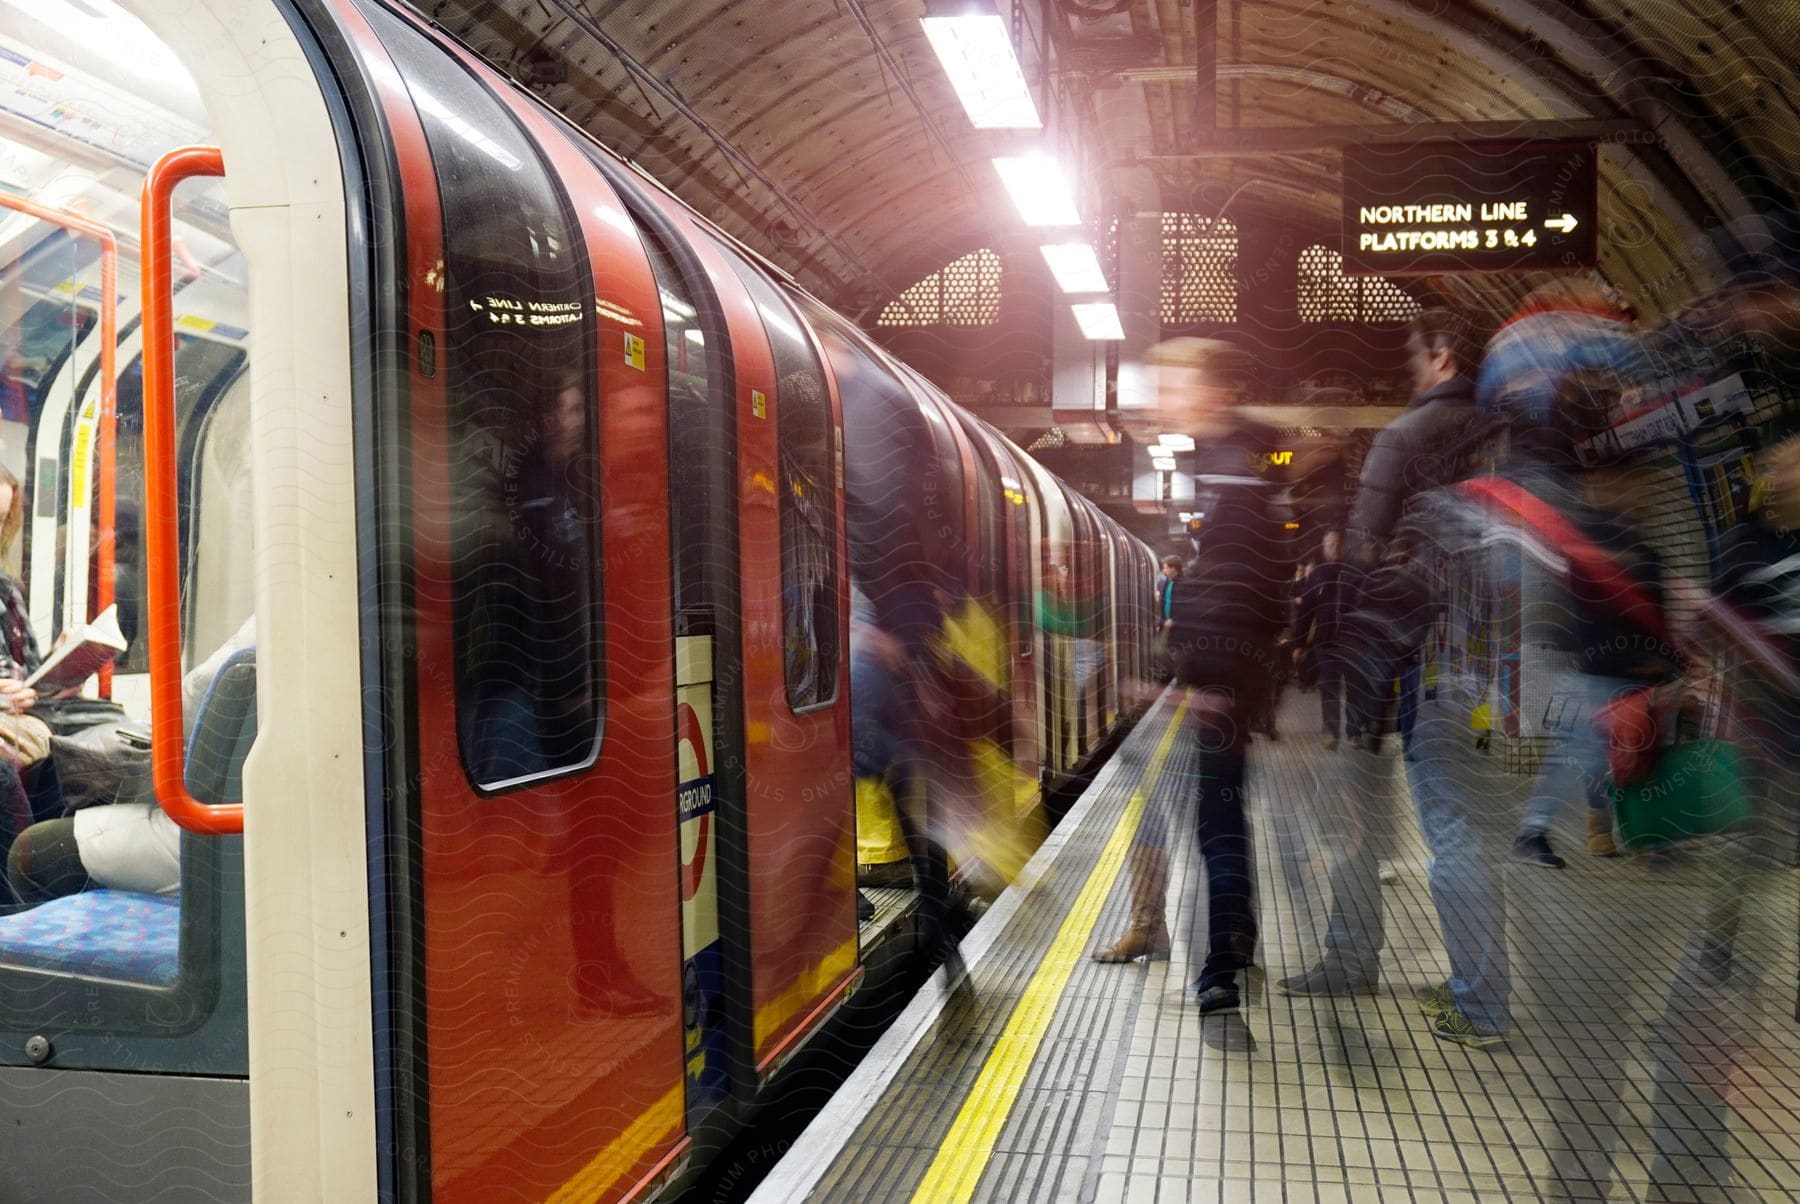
101	934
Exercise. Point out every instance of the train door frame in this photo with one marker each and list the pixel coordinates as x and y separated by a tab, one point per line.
1055	673
632	755
1016	591
1088	583
783	811
289	186
720	622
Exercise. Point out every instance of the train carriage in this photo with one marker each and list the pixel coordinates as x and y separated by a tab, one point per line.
482	523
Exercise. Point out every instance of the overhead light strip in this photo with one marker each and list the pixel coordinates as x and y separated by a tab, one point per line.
977	54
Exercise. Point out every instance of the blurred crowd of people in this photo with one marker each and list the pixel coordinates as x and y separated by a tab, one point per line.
1672	697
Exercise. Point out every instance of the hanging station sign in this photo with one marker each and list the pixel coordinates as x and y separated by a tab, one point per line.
1469	207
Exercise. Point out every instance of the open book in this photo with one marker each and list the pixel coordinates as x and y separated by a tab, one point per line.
79	657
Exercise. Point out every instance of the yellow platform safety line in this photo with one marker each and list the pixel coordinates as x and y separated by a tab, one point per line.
967	1147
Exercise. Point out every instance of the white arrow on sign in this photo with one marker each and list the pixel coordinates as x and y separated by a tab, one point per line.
1565	223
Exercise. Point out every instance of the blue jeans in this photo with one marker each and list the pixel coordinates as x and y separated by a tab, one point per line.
1332	671
1577	761
1359	826
1450	792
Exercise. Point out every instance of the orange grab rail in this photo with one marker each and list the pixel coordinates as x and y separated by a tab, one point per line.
162	602
109	419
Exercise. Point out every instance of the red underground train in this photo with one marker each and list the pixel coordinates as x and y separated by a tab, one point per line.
484	524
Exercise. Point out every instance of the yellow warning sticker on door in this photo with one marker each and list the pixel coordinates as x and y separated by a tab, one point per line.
759	405
81	455
634	351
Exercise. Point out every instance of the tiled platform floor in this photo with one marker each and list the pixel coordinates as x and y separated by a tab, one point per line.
1628	1076
1621	1051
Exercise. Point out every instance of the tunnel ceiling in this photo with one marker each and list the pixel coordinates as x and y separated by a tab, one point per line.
824	135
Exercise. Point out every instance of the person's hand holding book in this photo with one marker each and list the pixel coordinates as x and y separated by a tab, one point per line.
16	696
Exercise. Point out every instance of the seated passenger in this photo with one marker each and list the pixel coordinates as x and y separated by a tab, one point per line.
118	846
24	737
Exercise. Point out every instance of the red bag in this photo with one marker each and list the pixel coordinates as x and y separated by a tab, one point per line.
1629	725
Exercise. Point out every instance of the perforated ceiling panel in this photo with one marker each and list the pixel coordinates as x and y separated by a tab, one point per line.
964	292
1199	281
1323	293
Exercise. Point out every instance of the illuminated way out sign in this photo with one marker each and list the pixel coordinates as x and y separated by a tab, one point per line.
1469	207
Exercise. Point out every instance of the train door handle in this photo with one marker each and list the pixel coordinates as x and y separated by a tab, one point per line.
162	596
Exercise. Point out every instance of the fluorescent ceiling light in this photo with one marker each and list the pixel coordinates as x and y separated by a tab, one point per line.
1039	190
977	55
1098	320
1177	443
1076	267
1163	464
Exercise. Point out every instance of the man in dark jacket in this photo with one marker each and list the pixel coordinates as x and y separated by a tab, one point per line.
1226	613
1433	444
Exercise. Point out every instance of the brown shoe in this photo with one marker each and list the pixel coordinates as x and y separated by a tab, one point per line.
1146	939
1600	835
1148	934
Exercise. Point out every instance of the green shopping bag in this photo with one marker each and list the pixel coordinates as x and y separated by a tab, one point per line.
1694	790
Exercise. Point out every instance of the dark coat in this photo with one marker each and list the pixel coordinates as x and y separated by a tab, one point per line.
1434	443
1230	600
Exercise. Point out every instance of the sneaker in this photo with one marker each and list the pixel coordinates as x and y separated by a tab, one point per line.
1219	1000
1533	848
865	909
1432	1000
1328	979
1452	1025
1331	742
1386	874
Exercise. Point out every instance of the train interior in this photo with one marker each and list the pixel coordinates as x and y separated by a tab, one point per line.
91	99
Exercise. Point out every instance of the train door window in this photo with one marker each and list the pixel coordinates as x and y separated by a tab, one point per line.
1018	542
134	956
987	576
524	480
697	443
808	497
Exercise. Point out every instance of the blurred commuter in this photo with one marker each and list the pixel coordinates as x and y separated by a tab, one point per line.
1435	442
1324	597
1171	569
1608	647
1226	615
1165	601
877	723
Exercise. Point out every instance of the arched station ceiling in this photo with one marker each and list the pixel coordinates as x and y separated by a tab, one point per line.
824	134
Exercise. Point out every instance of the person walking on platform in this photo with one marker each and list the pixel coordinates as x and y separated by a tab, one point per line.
1225	617
1431	445
1165	601
1324	597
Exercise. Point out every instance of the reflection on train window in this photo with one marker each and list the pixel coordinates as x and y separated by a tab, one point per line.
32	352
803	433
524	483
